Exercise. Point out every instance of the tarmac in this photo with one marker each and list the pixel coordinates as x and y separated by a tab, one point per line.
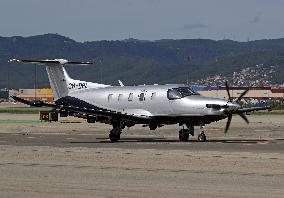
72	158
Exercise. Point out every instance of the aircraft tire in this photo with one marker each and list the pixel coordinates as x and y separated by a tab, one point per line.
91	120
114	134
201	137
184	135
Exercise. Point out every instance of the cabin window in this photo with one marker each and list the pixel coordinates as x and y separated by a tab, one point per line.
142	97
153	95
130	97
109	98
120	97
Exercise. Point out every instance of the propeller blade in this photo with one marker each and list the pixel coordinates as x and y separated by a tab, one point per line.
228	91
228	123
244	117
242	95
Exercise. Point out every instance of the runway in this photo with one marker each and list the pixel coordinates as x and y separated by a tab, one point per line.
77	160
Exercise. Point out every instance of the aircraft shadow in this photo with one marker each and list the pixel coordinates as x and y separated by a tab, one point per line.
164	140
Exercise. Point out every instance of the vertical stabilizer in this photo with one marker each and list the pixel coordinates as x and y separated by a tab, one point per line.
59	79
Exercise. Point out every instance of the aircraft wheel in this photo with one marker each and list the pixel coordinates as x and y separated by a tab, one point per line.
114	134
184	135
201	137
91	119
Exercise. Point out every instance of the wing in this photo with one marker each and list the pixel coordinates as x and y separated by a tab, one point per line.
96	112
251	109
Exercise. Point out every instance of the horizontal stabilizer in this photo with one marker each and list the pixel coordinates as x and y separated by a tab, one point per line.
47	62
33	103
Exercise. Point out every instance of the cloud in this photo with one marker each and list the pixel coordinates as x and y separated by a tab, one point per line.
256	19
154	1
195	26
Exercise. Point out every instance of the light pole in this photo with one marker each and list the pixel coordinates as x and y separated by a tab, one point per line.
101	74
35	80
188	60
8	83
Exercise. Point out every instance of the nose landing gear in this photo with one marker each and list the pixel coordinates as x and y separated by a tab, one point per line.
201	136
184	134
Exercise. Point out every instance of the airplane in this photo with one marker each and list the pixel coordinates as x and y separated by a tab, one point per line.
125	106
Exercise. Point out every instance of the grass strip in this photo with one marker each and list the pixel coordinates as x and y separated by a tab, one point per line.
20	111
22	122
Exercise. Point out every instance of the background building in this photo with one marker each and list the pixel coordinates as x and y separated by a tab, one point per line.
5	94
45	94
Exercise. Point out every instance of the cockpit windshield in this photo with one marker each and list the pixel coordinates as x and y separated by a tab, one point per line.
180	92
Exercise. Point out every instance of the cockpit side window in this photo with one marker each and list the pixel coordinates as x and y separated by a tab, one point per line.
180	92
186	91
173	94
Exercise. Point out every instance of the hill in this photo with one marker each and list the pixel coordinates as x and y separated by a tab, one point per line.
139	62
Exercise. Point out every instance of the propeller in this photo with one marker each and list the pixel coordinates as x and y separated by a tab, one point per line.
230	112
228	123
228	91
241	96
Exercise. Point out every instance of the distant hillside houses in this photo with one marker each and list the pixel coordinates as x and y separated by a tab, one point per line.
258	93
256	76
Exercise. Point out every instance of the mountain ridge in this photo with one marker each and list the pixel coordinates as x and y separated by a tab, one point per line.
137	61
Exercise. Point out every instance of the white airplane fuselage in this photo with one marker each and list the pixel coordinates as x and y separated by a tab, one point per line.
147	100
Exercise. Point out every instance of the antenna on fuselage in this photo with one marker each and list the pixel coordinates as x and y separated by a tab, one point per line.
120	83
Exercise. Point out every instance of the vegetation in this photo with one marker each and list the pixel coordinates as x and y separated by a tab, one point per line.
274	112
277	105
21	110
135	61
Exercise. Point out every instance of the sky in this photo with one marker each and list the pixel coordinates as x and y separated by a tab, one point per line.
91	20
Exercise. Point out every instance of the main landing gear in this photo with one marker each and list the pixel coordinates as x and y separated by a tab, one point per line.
184	134
114	134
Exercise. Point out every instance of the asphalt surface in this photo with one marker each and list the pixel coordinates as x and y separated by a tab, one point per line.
141	142
76	159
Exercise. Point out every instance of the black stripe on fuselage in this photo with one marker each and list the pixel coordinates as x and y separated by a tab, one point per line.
75	102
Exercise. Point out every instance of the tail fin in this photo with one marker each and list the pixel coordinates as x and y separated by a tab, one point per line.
59	79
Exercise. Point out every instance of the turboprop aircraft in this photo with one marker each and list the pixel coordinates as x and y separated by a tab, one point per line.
124	106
